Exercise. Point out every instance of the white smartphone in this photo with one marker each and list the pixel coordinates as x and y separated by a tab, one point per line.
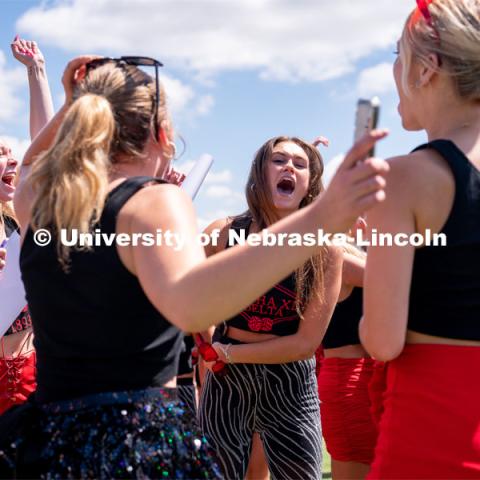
366	118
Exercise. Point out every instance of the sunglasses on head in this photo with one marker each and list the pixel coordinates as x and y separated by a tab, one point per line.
137	62
209	354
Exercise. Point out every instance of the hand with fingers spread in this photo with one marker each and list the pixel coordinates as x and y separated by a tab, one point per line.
27	52
174	177
357	186
321	140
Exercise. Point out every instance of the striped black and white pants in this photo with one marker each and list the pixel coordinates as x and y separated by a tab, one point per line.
280	402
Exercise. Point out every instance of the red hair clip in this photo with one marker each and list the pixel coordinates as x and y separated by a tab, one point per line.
423	7
425	12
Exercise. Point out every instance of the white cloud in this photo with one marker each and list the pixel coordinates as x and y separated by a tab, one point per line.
375	80
229	196
11	82
184	101
19	146
204	105
224	176
218	191
212	178
178	94
282	40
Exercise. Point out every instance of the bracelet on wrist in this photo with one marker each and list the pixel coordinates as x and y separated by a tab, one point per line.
226	352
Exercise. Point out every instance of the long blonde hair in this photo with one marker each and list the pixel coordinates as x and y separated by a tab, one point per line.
454	36
111	116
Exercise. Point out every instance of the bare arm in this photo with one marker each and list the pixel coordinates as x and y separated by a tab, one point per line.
353	270
388	272
41	105
301	345
196	293
74	72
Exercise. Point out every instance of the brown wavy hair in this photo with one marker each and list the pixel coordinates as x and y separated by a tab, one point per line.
261	210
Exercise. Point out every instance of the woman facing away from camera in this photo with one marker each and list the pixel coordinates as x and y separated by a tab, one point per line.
17	355
104	405
422	306
269	385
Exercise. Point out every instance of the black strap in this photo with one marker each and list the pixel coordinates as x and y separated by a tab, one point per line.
467	182
119	196
10	226
239	224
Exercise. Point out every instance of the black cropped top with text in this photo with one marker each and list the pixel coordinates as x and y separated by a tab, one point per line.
274	312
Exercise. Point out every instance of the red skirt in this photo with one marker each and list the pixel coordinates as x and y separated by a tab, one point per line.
376	389
430	427
347	424
17	379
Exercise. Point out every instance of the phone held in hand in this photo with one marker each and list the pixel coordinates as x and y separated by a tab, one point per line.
366	118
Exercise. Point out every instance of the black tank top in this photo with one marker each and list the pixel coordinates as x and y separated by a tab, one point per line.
95	330
274	312
343	327
445	289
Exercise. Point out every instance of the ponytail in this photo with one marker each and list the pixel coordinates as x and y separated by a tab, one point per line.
70	179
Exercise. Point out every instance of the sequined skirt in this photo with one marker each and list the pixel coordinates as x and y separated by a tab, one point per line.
141	434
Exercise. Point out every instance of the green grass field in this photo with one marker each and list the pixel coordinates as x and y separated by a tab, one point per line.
326	469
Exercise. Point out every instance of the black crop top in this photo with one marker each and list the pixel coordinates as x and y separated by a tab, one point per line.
95	330
274	312
445	289
343	327
10	226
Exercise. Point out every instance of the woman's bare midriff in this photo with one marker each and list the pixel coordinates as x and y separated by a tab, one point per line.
415	337
16	344
248	337
348	351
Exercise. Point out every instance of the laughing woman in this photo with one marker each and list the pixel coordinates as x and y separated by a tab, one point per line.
269	385
17	355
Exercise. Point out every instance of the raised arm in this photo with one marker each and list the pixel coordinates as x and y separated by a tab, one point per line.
74	72
41	105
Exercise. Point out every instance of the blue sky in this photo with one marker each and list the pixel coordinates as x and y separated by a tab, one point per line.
236	72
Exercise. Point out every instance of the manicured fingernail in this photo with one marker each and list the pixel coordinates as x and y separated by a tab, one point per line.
16	37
